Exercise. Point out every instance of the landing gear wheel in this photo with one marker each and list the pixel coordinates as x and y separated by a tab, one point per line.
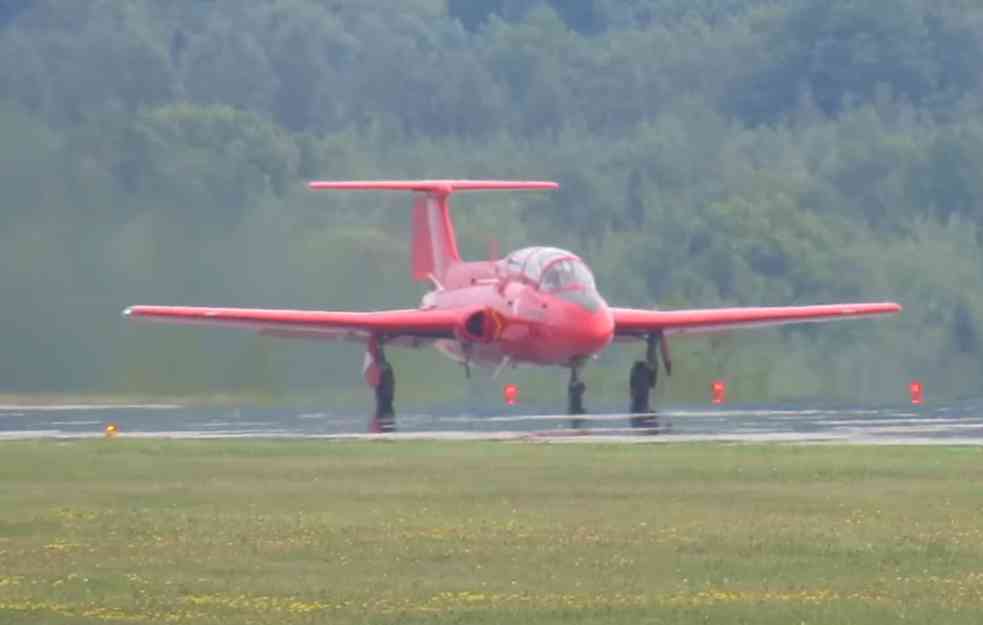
384	419
575	397
642	380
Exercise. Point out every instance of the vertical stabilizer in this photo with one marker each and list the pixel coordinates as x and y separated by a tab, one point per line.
434	248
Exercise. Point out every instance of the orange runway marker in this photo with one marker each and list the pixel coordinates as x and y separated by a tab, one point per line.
719	390
511	394
917	390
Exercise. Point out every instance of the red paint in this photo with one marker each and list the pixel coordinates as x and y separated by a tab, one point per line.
490	312
494	250
433	186
701	321
917	391
421	255
511	394
719	391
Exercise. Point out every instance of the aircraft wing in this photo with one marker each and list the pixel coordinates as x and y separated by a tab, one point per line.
633	322
313	324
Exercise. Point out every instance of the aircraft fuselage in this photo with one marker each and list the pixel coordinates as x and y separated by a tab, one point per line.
523	322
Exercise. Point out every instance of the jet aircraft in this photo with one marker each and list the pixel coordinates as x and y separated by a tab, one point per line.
537	306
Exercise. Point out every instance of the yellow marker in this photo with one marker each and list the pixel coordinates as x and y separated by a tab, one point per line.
111	430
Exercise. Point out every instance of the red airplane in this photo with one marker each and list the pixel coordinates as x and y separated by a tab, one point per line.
537	306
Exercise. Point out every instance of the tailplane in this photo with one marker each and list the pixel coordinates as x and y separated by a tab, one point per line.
434	248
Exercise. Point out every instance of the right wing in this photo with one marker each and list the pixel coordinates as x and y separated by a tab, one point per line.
634	322
313	324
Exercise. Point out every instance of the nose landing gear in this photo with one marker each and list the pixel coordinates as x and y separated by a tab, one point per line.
575	396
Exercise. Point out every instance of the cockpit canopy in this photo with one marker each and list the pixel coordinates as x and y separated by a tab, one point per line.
550	268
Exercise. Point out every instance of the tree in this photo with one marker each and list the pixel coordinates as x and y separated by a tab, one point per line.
635	201
474	13
10	9
841	49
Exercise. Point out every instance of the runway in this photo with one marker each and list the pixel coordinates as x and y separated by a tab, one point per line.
957	423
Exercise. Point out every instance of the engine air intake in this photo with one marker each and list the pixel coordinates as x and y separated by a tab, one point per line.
482	326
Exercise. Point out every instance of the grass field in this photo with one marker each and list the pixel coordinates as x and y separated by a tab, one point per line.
129	531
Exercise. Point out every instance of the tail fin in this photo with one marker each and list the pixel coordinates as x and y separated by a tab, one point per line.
434	248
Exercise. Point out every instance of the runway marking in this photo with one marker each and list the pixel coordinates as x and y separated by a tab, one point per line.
956	424
614	436
848	422
76	407
231	424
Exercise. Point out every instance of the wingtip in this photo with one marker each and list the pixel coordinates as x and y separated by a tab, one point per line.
127	312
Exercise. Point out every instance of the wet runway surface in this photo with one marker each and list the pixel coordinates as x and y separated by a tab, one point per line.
955	423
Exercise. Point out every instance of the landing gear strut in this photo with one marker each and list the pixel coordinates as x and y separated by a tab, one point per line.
575	396
384	419
643	379
380	376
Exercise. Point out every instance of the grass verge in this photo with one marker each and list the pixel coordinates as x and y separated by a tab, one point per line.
130	531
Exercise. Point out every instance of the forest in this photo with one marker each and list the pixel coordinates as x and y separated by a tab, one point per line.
710	153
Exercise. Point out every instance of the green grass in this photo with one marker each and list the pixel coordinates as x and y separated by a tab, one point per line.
307	532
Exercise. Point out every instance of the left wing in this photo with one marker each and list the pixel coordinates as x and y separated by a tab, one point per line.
315	324
633	322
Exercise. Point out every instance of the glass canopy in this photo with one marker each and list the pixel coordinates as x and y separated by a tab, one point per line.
550	268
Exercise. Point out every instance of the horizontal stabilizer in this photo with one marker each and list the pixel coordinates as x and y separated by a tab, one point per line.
432	186
434	249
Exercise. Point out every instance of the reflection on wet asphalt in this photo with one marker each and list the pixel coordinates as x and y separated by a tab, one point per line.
955	423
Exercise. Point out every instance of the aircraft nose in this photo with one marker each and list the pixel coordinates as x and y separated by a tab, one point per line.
590	301
597	328
588	325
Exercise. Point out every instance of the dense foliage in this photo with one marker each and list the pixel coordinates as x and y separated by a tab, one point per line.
711	152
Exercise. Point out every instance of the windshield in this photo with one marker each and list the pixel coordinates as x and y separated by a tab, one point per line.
550	269
530	262
567	273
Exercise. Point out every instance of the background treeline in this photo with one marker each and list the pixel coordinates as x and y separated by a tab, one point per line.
711	152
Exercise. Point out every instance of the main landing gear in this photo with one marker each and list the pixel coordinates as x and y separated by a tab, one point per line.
380	376
643	379
384	419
